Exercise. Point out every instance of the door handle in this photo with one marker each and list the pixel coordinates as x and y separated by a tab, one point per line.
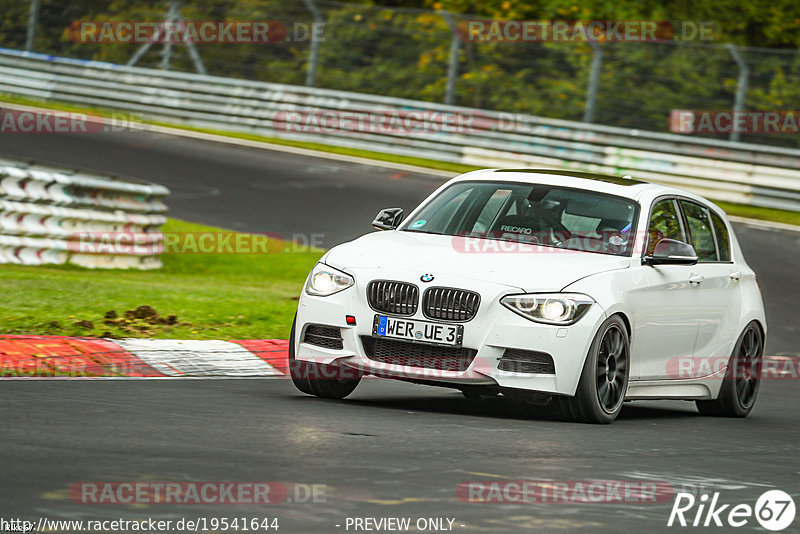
736	276
696	278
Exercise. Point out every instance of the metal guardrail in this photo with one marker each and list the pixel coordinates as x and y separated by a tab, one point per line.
56	216
736	172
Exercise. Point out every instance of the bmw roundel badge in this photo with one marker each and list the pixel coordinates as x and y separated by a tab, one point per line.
426	277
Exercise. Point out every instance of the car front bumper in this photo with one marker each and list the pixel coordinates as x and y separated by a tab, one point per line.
493	330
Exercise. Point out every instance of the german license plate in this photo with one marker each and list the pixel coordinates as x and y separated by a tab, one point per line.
418	331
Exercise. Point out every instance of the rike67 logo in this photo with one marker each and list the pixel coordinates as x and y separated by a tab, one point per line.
774	510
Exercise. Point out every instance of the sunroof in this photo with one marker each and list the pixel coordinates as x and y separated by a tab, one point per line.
609	178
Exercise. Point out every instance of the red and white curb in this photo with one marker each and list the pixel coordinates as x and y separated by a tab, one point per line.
56	356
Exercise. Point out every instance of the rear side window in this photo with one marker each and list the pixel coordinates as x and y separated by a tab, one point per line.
700	232
665	223
721	233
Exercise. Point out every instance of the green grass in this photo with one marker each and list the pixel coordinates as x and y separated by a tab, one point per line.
757	212
741	210
214	296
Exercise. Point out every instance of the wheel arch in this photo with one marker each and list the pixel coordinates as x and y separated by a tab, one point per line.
625	320
760	322
762	327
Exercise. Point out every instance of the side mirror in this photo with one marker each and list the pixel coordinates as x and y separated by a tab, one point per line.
388	219
671	252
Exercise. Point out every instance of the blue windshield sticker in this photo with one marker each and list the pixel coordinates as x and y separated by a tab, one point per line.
624	230
418	224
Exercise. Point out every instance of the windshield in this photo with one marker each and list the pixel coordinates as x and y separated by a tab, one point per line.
534	214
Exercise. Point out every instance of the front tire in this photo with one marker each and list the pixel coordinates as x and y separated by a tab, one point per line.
604	379
742	379
318	379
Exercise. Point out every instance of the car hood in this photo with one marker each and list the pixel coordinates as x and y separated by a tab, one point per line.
525	267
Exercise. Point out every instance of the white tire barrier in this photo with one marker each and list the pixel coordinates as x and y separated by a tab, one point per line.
56	216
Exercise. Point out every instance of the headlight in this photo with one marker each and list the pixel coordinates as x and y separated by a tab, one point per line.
324	281
550	308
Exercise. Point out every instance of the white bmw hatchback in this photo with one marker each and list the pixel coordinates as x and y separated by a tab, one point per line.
577	289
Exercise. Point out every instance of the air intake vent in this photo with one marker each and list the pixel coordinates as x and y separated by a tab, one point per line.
527	361
409	354
450	304
328	337
397	298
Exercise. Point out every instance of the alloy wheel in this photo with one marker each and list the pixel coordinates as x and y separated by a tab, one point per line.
612	363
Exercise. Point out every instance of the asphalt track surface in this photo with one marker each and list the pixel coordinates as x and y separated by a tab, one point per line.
391	449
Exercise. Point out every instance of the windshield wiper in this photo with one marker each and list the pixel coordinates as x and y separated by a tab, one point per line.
422	231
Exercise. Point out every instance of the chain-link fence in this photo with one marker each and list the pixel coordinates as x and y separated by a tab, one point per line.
428	55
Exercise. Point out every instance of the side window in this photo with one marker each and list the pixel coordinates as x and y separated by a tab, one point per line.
702	237
723	241
665	223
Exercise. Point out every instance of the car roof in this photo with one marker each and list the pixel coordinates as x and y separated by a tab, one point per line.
624	186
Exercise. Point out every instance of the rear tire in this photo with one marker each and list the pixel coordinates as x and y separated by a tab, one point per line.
319	379
604	379
739	390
